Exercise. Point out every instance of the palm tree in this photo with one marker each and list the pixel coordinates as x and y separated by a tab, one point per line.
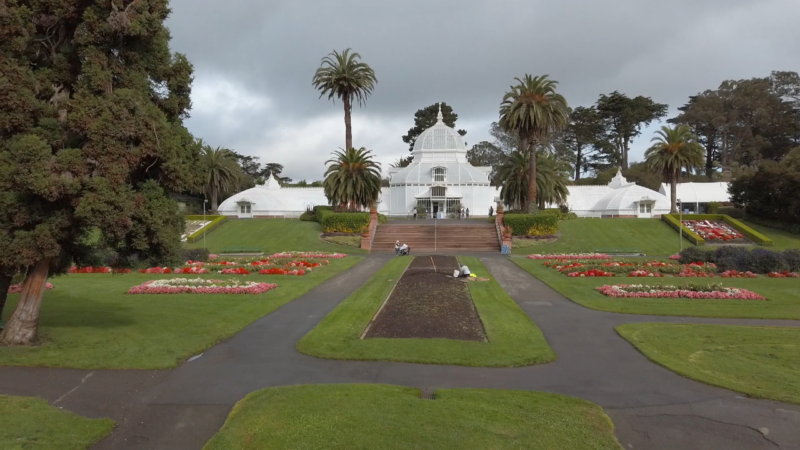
532	109
552	179
223	173
674	149
341	75
352	179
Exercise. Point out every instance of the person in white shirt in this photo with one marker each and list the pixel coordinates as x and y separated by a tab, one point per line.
414	211
405	250
465	273
396	248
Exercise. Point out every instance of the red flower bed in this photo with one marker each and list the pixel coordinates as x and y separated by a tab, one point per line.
572	256
675	257
191	270
737	274
307	255
591	273
784	274
17	288
618	264
200	286
236	271
279	271
712	230
690	273
89	269
156	270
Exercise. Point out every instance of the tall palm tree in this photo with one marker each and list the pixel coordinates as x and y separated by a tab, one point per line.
675	148
223	173
532	109
552	179
353	179
342	75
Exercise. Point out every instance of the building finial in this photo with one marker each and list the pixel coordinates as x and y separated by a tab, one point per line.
439	116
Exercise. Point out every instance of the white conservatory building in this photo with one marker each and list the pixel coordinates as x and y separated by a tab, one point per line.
439	178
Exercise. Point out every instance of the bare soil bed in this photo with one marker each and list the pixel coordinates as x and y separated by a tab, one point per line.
428	302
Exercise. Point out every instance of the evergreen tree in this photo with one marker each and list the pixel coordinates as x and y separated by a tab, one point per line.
426	117
91	107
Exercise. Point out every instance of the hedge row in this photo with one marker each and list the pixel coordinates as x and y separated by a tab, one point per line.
793	228
345	222
215	222
531	224
760	260
675	223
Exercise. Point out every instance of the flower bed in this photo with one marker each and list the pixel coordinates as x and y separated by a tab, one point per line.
591	273
90	269
675	257
280	271
710	291
190	270
784	274
17	288
714	230
737	274
571	256
236	271
645	273
201	286
307	255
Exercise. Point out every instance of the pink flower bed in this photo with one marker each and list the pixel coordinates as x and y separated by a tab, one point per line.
657	291
737	274
307	255
645	273
675	257
17	288
591	273
200	286
572	256
784	274
213	256
688	272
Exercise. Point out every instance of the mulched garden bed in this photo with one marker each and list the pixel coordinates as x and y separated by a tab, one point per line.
428	302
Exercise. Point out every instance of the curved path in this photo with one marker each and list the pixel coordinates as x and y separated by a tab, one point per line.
652	407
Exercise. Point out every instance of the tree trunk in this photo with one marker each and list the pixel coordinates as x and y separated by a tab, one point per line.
23	325
578	162
5	283
348	130
673	192
625	153
531	148
214	204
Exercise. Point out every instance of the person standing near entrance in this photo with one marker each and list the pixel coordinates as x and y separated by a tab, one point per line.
414	211
466	211
491	211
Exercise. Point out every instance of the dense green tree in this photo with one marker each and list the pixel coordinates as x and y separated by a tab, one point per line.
403	162
674	149
486	154
552	180
344	76
222	174
353	179
426	117
584	137
770	191
624	118
704	114
533	110
91	137
271	169
250	168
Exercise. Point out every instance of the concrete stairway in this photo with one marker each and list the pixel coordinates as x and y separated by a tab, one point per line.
441	237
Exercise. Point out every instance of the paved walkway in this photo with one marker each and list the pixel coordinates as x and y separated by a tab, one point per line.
652	407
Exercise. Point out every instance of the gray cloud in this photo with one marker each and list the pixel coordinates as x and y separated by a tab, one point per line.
254	61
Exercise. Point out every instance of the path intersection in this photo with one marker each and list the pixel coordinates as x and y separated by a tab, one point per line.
652	407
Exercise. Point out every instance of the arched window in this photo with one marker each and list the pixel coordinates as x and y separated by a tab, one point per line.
438	173
437	191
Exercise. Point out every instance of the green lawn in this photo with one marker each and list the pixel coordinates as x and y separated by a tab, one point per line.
513	339
391	417
761	362
783	295
271	235
649	236
33	423
89	322
782	240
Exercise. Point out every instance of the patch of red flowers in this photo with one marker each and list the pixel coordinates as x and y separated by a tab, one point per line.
280	271
156	270
784	274
641	273
688	272
737	274
236	271
591	273
17	288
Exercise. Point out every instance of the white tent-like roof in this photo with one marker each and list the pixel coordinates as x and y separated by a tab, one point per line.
699	192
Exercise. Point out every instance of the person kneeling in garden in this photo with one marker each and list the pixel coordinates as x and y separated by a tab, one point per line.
464	273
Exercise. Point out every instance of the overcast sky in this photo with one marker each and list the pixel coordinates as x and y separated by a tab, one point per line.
254	60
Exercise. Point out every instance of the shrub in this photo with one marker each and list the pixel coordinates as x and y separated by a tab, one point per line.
569	216
694	254
763	261
306	217
731	211
531	224
321	211
792	259
345	222
383	219
216	221
195	254
564	209
713	207
553	211
729	257
793	228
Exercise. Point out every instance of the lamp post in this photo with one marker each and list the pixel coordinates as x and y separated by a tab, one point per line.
680	223
204	223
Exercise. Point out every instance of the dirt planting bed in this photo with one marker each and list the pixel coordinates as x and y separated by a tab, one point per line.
428	302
